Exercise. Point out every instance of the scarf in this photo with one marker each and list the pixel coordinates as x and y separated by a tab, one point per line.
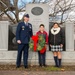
55	31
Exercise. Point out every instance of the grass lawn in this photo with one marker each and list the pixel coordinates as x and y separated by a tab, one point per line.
37	68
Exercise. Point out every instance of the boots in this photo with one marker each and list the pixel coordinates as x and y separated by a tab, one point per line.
59	61
56	61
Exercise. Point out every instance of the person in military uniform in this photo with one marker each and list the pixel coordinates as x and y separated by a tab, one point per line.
23	35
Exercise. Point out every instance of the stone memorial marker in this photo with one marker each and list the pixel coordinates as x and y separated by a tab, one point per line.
39	14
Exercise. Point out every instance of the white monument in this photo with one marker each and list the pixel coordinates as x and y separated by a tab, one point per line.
39	14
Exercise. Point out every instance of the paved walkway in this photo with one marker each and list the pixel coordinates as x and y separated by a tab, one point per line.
36	73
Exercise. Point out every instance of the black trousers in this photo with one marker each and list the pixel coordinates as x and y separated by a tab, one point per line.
22	48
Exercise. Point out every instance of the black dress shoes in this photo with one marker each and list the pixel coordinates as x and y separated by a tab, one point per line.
17	66
45	65
40	65
26	67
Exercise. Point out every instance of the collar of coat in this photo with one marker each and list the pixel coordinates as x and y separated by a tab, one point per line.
56	32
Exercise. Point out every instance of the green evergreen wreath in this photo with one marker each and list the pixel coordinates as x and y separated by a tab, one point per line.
31	44
41	43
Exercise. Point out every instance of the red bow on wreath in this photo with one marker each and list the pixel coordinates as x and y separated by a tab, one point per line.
35	39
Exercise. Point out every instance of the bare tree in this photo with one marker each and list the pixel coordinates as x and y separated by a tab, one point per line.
62	7
56	7
13	8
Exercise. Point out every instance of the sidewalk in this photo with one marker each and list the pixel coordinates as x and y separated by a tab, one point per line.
36	73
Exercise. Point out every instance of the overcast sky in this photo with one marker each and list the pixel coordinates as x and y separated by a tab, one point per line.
51	6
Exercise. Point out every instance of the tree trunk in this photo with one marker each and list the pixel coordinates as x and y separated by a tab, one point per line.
16	10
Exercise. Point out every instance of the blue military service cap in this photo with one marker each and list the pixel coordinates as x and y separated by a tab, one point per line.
26	15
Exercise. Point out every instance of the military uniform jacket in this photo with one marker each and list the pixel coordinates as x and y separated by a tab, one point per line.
24	32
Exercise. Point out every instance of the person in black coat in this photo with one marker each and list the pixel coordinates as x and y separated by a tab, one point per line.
56	41
23	34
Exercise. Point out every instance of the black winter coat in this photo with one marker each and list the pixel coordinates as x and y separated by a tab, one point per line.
56	39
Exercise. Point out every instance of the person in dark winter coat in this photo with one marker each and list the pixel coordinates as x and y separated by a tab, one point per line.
56	41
